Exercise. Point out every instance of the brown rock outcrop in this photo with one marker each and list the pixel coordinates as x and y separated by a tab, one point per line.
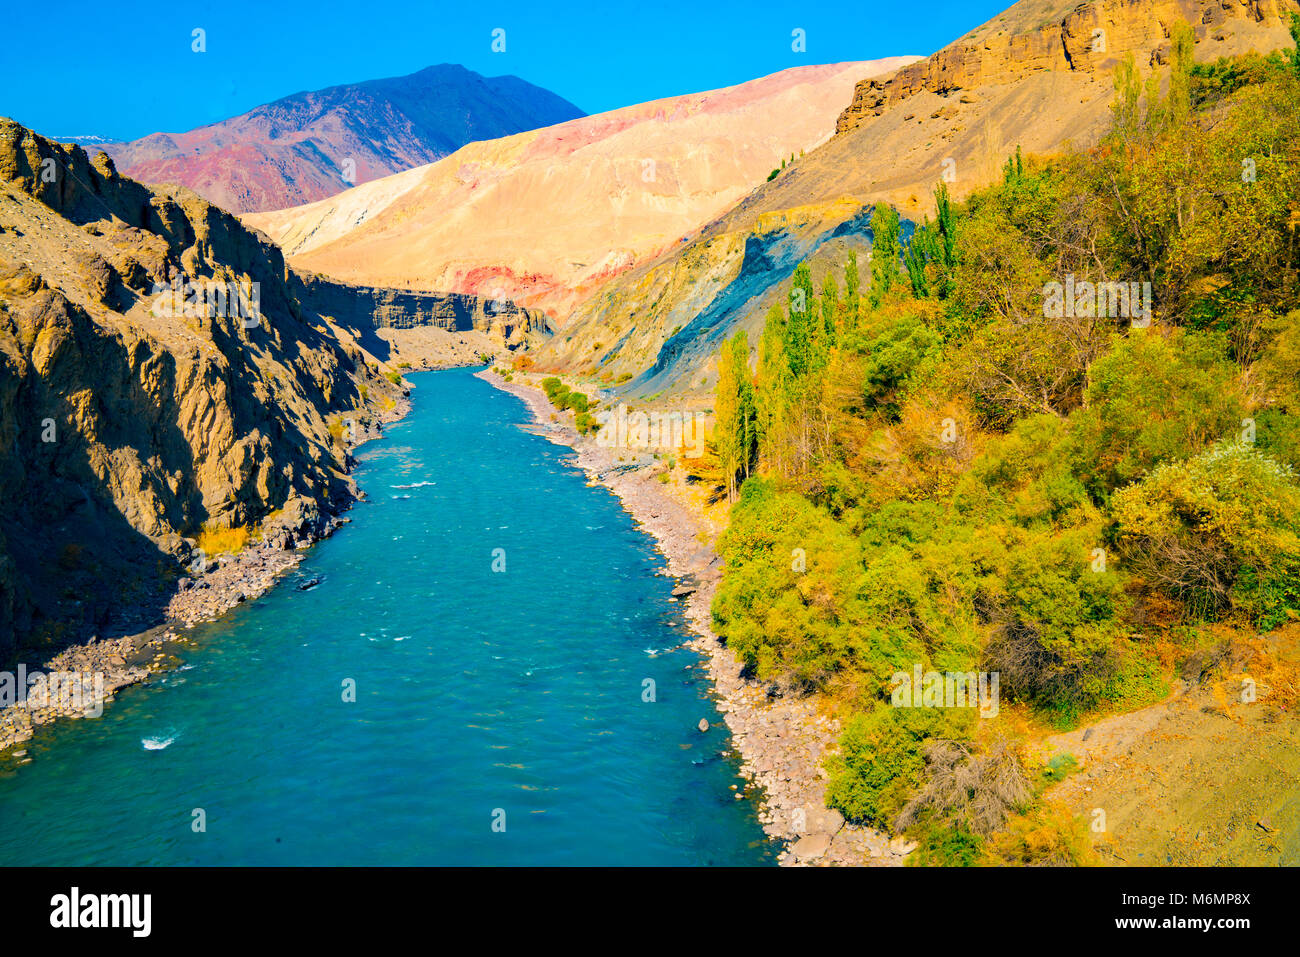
383	308
1087	37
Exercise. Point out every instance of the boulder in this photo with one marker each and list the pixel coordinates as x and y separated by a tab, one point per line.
810	847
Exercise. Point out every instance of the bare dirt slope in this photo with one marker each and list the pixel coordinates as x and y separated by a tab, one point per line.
546	217
1209	777
1029	78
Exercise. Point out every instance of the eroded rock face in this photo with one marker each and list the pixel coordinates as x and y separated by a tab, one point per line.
123	432
502	320
1068	37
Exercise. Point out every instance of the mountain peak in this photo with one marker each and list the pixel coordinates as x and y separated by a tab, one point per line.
312	144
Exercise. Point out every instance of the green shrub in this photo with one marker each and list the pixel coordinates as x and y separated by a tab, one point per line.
942	845
787	625
1220	530
1153	399
1055	622
894	357
881	760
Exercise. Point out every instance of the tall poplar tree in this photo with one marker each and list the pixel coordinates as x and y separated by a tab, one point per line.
885	250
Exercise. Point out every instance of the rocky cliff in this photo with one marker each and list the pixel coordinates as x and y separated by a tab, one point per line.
362	307
1041	35
133	419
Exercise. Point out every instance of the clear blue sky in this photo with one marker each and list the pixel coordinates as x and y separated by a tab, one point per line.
122	70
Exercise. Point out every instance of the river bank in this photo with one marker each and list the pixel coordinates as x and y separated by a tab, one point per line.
100	667
383	716
781	741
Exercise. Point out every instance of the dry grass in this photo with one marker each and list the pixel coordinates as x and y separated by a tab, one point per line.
978	791
218	541
1048	835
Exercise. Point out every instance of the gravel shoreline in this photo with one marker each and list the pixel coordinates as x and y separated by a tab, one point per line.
781	741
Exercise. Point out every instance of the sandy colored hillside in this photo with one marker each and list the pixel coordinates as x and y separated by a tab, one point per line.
1027	78
1038	76
546	217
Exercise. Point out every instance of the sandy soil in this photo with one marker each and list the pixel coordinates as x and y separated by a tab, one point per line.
1200	779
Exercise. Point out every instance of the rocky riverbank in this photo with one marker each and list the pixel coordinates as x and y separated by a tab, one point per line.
781	741
213	585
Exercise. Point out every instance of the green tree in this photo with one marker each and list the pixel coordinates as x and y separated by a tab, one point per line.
1013	171
1294	55
830	301
1128	92
885	250
915	258
1181	59
798	327
852	285
735	425
945	220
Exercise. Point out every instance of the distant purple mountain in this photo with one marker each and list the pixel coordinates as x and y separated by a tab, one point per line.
309	146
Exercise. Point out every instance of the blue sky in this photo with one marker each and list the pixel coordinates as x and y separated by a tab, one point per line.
124	70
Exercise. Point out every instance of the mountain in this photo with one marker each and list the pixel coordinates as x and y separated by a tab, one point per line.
547	217
309	146
131	425
1038	76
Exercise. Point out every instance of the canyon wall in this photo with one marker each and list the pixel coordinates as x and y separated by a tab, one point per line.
379	307
125	430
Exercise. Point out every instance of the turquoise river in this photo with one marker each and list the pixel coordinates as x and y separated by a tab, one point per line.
511	698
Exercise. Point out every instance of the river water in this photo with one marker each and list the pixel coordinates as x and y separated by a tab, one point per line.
500	716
